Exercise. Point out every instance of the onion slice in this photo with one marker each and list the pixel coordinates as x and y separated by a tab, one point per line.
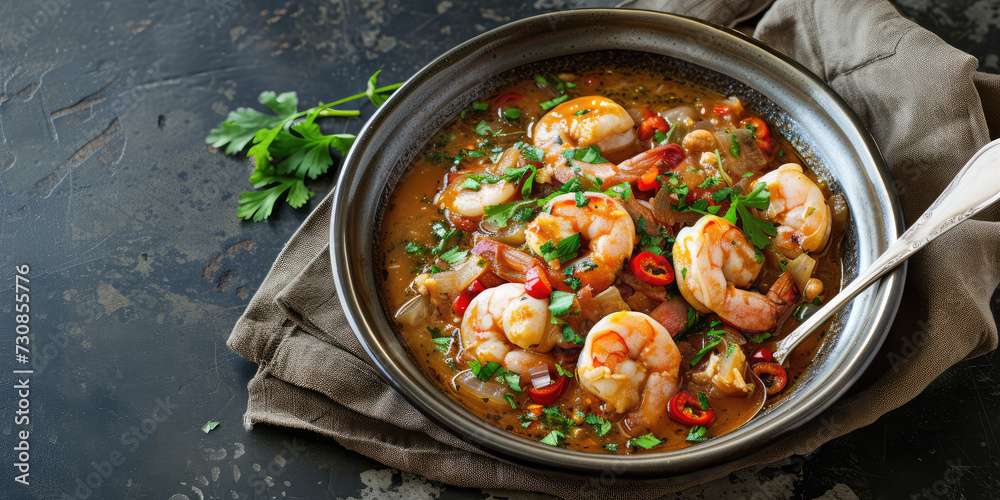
802	268
540	376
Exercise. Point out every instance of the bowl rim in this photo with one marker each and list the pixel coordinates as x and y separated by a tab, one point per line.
473	430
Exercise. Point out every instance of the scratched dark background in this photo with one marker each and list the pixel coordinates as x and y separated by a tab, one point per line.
140	267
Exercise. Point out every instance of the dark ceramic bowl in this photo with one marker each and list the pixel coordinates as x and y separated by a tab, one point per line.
818	123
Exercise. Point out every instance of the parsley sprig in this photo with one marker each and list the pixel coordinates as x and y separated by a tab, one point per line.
287	146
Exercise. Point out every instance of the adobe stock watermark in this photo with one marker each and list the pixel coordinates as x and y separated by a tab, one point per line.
27	27
941	487
133	439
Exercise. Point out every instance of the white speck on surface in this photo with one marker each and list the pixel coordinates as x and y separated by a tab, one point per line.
280	460
444	6
239	451
236	496
549	4
236	473
269	481
492	15
379	486
256	467
288	484
202	479
179	496
215	474
213	454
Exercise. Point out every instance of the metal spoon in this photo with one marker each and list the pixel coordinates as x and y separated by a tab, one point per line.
975	187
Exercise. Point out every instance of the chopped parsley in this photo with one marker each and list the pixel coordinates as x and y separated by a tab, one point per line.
582	112
512	114
623	191
703	401
710	182
601	426
647	441
570	336
562	371
480	106
757	338
553	439
555	101
611	447
697	434
573	282
560	304
510	399
482	128
484	372
565	250
589	154
734	145
454	255
443	344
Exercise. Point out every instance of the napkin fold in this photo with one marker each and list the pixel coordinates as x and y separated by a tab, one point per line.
928	110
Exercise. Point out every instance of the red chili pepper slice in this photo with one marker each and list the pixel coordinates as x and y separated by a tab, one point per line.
650	125
537	284
648	180
651	268
461	303
508	97
686	409
550	393
773	376
761	134
763	355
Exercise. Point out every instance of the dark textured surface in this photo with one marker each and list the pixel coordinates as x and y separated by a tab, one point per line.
139	266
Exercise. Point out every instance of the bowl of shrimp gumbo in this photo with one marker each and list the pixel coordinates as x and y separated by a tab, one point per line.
596	256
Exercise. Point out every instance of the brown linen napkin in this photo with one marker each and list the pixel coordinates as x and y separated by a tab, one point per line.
924	103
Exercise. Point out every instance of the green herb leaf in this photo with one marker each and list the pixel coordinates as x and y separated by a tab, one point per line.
480	106
242	125
551	103
647	441
582	112
560	304
482	128
553	439
513	380
510	399
697	434
590	154
562	371
623	191
209	427
565	250
442	344
573	282
704	350
710	182
757	338
512	114
484	372
703	401
501	215
570	336
454	255
734	145
601	426
611	447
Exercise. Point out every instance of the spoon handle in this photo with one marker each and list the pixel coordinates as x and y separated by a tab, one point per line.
975	187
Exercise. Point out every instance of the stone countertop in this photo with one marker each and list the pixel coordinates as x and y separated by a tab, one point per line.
139	266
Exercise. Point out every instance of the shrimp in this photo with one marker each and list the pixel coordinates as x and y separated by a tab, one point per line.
713	258
583	122
605	227
469	204
631	363
506	325
798	205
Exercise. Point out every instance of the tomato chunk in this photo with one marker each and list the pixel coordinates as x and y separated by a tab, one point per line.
686	409
649	126
550	393
536	283
651	268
